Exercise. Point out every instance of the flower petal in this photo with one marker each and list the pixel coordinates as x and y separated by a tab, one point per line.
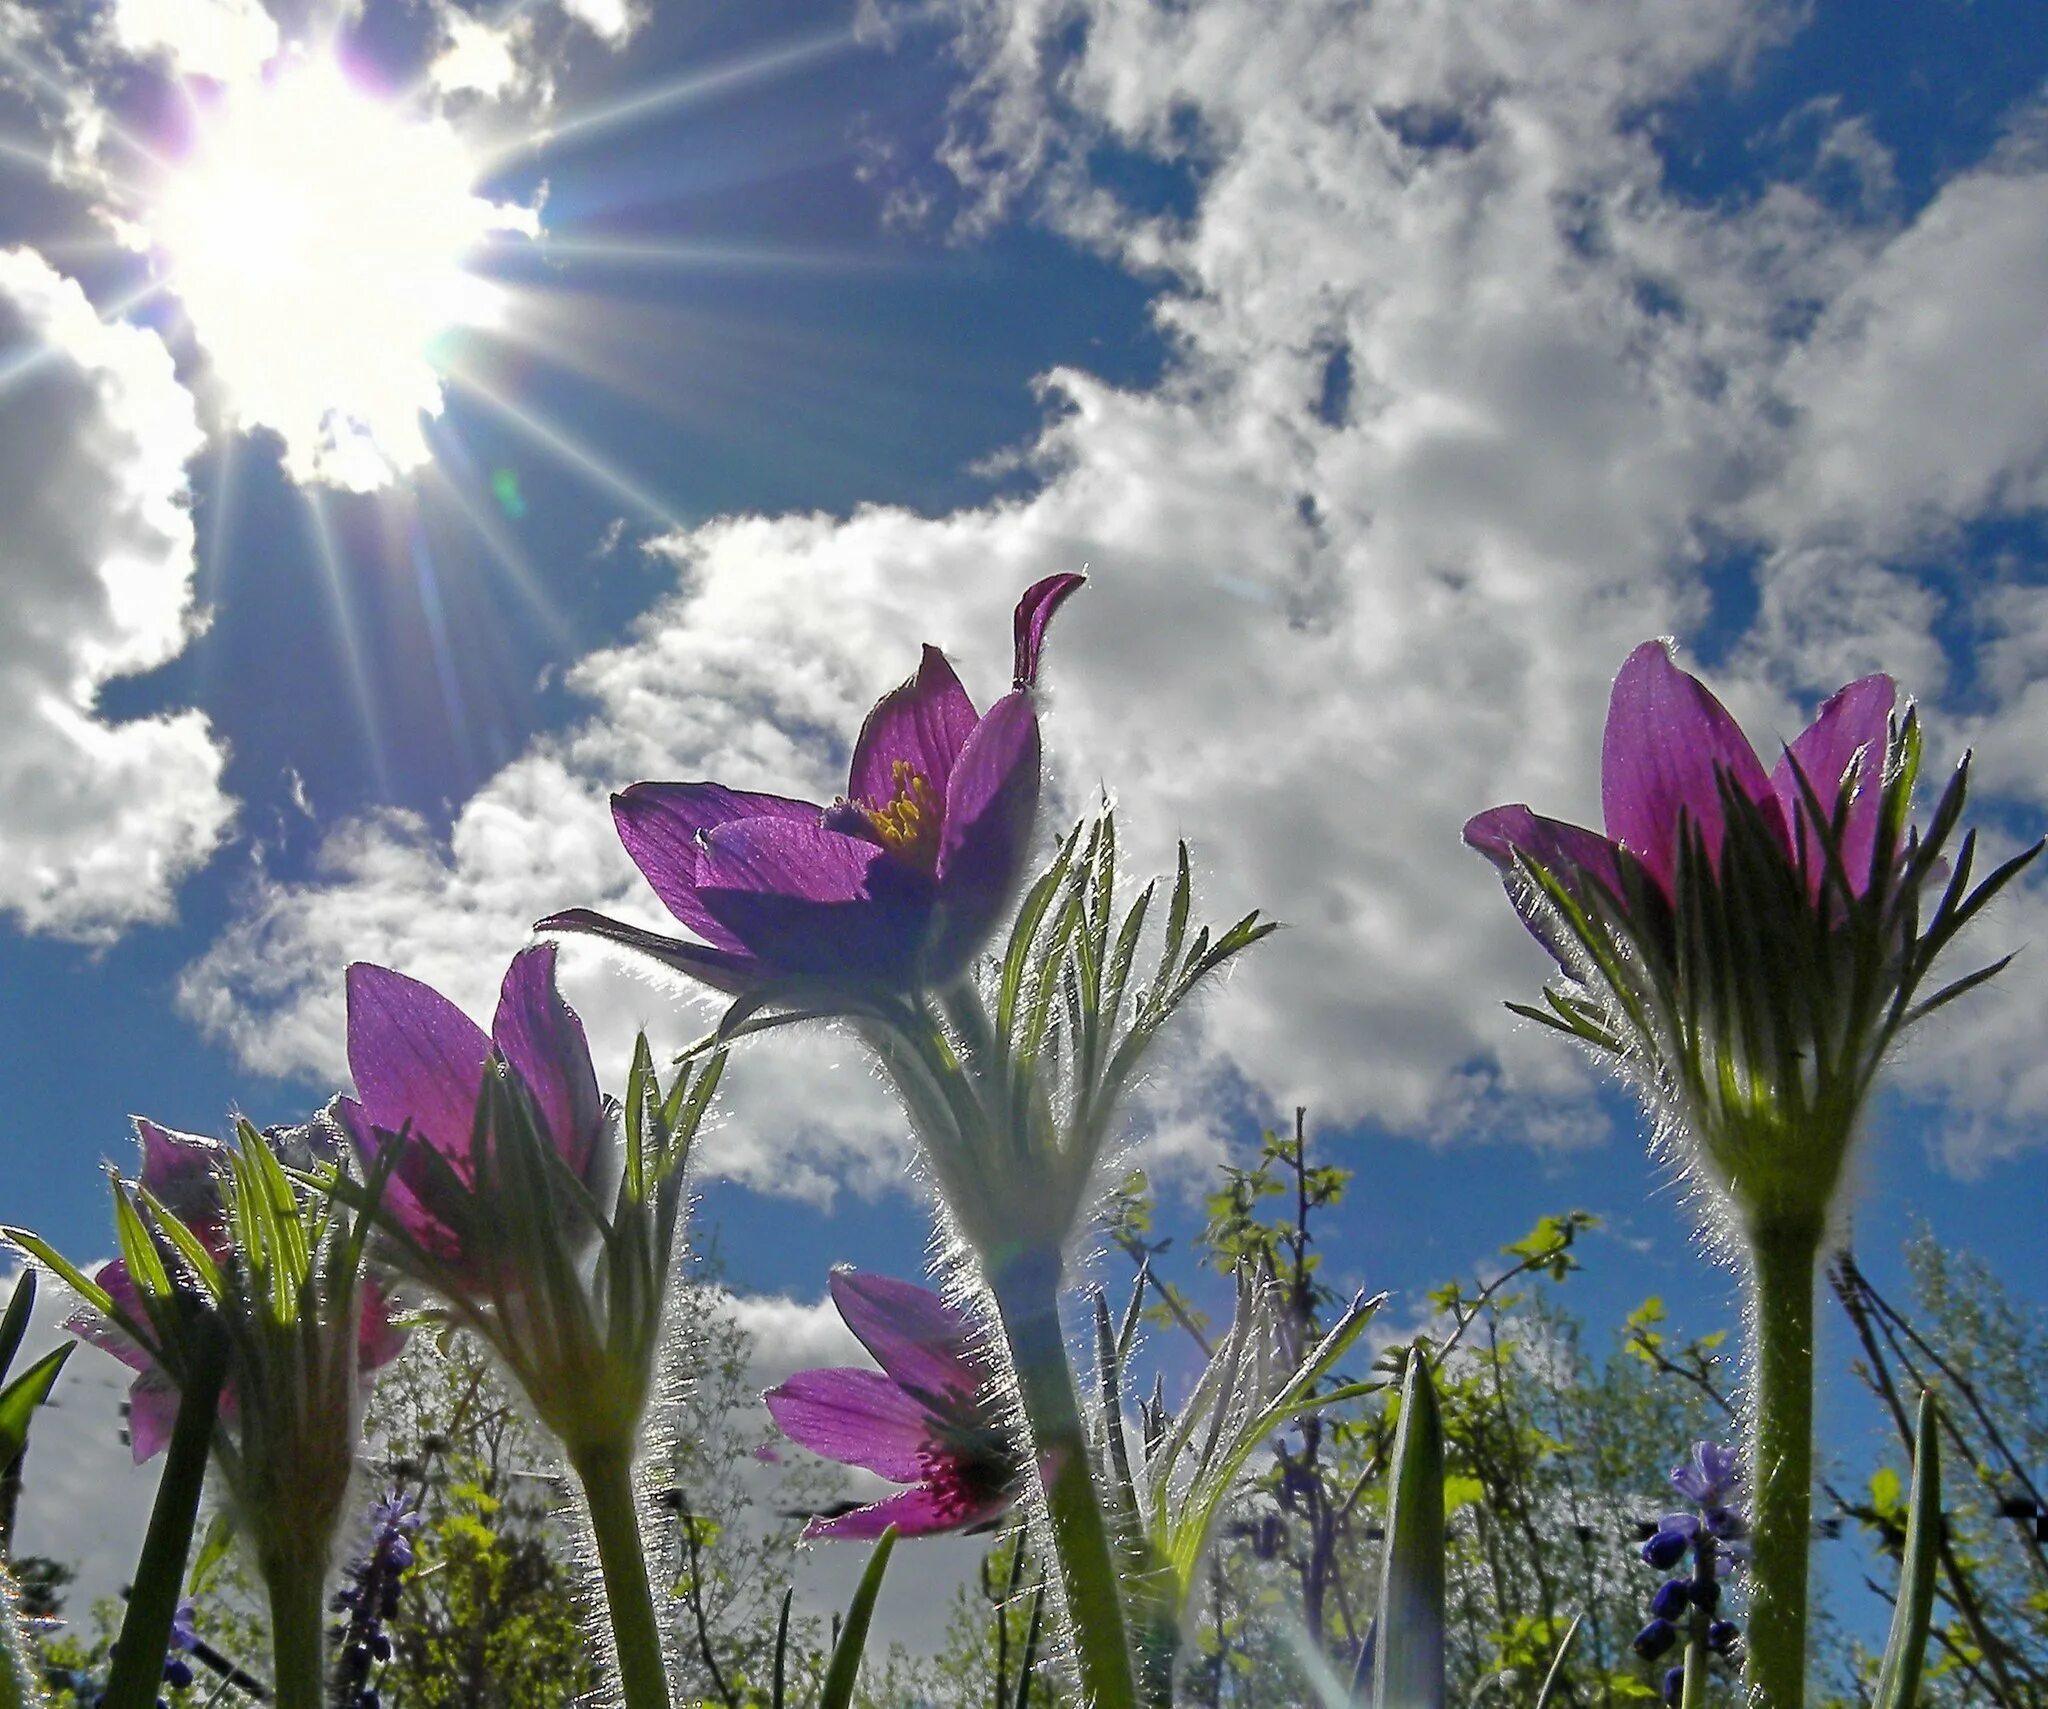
379	1339
540	1037
1668	741
923	723
1034	612
919	1512
1571	854
915	1336
660	824
860	1418
182	1170
812	901
89	1326
415	1056
721	969
991	807
1848	736
400	1203
152	1413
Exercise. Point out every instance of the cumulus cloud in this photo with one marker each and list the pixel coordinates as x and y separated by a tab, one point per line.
226	40
98	821
1462	403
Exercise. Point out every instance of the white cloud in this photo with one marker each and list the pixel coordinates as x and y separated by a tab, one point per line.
227	40
1460	400
481	58
612	21
98	821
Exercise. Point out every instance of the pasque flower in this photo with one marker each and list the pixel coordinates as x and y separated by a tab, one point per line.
543	1218
1749	944
929	1418
242	1299
895	885
186	1174
420	1066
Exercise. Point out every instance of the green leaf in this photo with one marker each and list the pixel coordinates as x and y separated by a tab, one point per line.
1898	1675
15	1323
1408	1667
22	1396
1555	1677
844	1671
211	1554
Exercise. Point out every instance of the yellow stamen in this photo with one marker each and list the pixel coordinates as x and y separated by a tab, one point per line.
908	825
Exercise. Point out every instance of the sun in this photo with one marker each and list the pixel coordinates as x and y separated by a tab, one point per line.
322	242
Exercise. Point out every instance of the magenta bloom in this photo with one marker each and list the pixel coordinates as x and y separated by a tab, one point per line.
184	1172
897	884
419	1065
1670	749
927	1418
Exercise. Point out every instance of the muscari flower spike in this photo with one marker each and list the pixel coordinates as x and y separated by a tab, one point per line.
1747	943
930	1418
1711	1480
895	886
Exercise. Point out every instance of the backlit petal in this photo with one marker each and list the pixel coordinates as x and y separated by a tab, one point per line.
920	1512
541	1038
1668	741
1571	854
415	1056
923	723
915	1336
1034	611
660	824
991	808
859	1418
721	969
182	1170
1848	736
812	901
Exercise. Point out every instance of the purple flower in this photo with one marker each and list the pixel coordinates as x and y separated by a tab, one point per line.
185	1172
1667	1548
1669	751
896	884
419	1065
1654	1639
1711	1477
1672	1599
927	1418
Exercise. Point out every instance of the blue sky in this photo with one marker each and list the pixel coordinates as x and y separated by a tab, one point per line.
1392	371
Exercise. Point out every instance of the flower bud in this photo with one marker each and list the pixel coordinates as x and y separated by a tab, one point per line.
1654	1639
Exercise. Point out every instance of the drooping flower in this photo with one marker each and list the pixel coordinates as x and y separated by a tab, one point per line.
928	1418
897	884
187	1174
420	1067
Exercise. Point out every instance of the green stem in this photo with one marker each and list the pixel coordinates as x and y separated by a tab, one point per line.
1027	1302
138	1670
296	1588
1694	1693
1784	1258
607	1478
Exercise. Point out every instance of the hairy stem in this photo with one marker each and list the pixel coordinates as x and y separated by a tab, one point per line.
138	1669
295	1587
1783	1258
1027	1302
607	1478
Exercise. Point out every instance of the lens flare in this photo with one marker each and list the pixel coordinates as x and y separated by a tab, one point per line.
321	242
